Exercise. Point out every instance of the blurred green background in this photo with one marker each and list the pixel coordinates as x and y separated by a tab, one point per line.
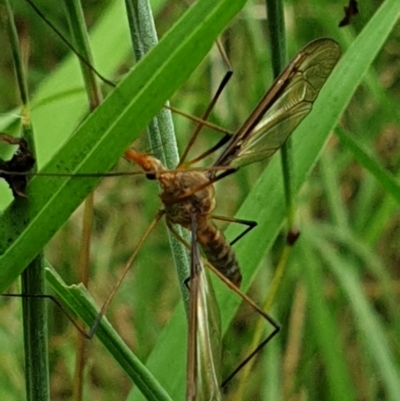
341	287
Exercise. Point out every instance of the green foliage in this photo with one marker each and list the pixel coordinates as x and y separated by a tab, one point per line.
338	299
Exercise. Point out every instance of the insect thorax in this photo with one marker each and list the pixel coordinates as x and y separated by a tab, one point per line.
181	199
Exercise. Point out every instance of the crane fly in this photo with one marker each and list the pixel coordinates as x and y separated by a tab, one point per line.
188	199
185	192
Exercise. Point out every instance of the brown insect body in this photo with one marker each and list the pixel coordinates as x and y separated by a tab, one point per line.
182	199
188	193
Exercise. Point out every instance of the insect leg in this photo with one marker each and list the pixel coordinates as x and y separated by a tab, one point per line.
124	272
56	302
249	223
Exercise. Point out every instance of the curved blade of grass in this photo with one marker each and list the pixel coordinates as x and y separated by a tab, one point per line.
79	300
370	261
384	178
28	224
325	329
59	104
161	130
266	203
60	101
34	314
369	325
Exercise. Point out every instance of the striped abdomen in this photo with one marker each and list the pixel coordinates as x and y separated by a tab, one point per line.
183	197
219	252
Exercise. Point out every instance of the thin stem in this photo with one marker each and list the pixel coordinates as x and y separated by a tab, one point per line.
276	27
32	279
160	130
35	332
80	40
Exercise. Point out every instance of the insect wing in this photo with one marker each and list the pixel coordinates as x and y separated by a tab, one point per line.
284	106
204	343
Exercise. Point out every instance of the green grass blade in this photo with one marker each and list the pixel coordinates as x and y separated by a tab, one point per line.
28	224
161	132
369	326
35	314
384	178
79	300
324	329
266	201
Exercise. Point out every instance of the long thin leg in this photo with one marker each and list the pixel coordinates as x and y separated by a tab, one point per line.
210	151
68	44
249	301
249	223
205	116
263	314
56	302
124	272
200	121
98	318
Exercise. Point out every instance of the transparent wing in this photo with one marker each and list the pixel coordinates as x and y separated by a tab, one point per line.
204	343
284	106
